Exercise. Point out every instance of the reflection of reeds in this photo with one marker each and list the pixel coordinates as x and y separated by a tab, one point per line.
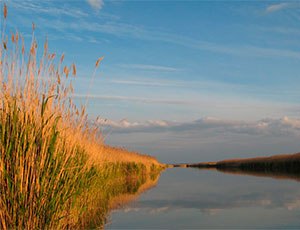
273	174
49	155
115	186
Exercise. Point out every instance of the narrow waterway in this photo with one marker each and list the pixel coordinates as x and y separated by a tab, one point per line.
195	199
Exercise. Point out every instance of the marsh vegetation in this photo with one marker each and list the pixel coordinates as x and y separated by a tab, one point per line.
55	170
287	164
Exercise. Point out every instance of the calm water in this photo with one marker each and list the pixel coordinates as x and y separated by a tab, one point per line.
192	198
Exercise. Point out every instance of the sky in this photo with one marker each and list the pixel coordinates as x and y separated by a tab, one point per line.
194	80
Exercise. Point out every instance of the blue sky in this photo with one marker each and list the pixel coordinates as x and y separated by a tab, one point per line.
177	64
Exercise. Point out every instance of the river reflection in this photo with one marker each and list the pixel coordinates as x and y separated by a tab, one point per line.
191	198
283	175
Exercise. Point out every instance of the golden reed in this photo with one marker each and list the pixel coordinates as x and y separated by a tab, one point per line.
48	149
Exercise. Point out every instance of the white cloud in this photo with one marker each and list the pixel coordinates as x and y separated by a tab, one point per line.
265	127
97	4
133	125
295	204
134	99
290	122
277	7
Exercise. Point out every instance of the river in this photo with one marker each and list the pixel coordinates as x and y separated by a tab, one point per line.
190	198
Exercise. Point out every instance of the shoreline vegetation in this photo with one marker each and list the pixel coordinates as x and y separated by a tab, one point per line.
285	166
55	171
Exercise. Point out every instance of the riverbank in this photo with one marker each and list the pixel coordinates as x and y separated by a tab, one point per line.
287	163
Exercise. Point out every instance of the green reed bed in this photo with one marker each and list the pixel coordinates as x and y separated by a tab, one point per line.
38	178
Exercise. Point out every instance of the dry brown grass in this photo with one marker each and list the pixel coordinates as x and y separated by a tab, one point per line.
113	154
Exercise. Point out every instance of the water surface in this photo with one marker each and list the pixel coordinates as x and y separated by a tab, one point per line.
192	198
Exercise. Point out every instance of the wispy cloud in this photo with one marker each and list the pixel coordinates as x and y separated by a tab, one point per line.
97	4
47	7
266	127
277	7
148	83
150	67
136	32
134	99
281	30
281	6
125	30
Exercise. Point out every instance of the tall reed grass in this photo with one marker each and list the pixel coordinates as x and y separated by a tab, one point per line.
49	154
